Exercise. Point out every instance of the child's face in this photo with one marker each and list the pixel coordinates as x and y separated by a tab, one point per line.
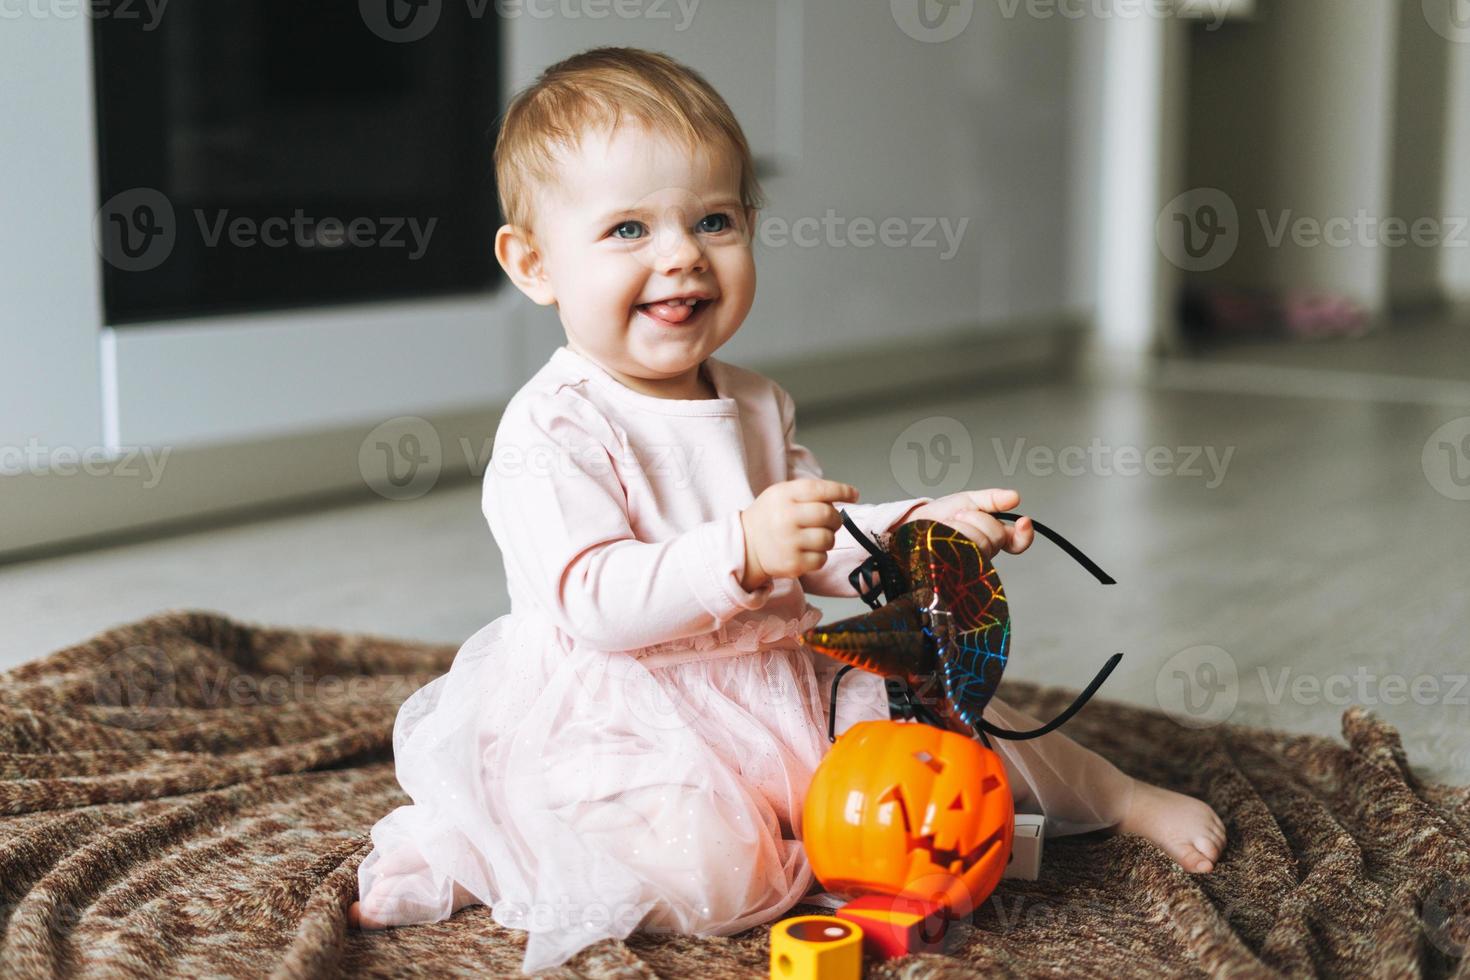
634	219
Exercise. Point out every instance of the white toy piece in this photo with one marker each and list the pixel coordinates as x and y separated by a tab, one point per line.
1025	862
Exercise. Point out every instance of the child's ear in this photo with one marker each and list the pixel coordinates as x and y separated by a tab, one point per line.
516	252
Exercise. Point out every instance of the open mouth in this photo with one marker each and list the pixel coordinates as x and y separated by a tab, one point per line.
674	313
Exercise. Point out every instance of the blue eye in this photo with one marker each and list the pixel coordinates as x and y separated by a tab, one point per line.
629	230
714	222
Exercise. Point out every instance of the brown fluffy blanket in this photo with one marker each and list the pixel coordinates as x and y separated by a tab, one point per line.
191	796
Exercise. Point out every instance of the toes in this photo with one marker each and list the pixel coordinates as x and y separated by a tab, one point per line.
367	913
1195	861
357	918
1192	858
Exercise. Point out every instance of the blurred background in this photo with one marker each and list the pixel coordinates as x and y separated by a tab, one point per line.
1188	274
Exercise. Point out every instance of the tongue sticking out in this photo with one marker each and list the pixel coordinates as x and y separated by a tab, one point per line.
671	312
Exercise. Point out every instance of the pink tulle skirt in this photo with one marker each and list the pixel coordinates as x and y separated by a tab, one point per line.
582	795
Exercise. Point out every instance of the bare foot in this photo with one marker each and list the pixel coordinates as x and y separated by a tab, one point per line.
1185	828
401	888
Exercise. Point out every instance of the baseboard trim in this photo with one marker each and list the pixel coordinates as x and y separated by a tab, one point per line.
50	514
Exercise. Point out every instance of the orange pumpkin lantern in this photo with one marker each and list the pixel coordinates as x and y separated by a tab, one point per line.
903	808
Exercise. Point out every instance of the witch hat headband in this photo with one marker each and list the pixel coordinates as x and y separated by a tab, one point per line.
944	615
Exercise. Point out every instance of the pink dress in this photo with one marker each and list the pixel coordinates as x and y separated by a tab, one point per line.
630	746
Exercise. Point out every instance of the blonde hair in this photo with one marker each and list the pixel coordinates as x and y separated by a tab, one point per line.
599	88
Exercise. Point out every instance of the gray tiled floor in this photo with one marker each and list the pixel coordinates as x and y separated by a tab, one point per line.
1325	566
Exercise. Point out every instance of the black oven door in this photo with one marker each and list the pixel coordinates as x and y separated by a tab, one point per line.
261	154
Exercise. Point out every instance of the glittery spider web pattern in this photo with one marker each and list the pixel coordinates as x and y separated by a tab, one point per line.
972	656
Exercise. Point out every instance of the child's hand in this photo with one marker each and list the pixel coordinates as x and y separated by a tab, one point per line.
790	528
968	512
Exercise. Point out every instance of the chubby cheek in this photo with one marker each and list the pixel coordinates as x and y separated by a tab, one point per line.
736	272
616	284
599	296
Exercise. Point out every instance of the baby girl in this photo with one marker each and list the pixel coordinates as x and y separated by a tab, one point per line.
629	748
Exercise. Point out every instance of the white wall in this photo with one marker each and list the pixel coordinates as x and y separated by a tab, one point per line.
1293	112
49	298
1140	114
972	128
1455	262
1085	112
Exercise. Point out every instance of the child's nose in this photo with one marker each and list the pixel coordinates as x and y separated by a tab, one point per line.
679	251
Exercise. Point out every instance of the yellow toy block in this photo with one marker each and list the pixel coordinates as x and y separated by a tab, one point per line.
816	947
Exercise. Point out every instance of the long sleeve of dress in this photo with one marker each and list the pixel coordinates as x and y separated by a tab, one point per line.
556	505
832	578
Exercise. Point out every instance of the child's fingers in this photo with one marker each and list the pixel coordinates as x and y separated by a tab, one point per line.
830	491
814	539
980	528
1019	536
810	561
994	501
813	514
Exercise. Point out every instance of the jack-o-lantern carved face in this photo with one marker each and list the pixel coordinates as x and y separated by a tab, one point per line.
908	809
